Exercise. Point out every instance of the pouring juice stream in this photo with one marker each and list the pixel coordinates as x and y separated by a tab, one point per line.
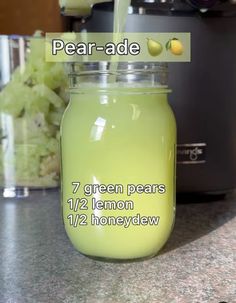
119	22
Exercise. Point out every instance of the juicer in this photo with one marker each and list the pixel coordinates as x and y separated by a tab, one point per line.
203	92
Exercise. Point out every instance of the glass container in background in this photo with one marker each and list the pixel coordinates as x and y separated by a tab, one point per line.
118	130
32	101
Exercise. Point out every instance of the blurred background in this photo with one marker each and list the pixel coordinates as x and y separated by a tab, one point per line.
23	18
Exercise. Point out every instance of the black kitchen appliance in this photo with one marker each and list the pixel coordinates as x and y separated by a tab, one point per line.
204	91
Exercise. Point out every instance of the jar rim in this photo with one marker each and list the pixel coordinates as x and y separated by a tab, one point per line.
105	67
103	73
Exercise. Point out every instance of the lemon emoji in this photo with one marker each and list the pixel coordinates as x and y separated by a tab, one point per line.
175	46
154	48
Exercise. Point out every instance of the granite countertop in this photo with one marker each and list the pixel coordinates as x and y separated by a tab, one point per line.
39	265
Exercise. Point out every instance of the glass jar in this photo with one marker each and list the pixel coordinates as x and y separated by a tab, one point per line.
32	100
118	138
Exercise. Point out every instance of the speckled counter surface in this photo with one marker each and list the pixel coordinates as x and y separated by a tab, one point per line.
39	265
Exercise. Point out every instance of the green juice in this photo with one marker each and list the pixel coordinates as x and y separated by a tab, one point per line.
118	135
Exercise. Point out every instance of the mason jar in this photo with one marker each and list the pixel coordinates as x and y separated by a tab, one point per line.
32	100
118	140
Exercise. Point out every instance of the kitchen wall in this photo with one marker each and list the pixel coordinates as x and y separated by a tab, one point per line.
26	16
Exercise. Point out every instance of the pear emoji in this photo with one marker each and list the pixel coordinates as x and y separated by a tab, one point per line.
154	47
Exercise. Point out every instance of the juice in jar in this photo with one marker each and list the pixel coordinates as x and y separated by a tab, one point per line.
118	169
